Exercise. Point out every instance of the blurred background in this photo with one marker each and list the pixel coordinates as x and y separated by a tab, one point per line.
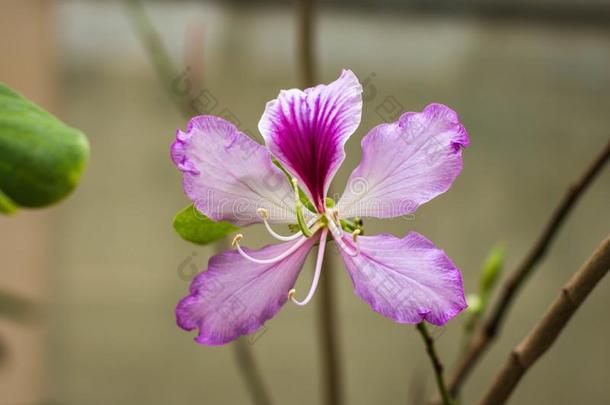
530	80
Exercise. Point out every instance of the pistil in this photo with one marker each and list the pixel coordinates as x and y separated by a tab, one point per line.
299	208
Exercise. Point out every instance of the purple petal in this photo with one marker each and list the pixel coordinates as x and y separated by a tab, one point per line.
306	130
229	176
405	164
235	297
408	280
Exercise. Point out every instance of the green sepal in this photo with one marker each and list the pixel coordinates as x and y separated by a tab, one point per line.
195	227
41	158
294	228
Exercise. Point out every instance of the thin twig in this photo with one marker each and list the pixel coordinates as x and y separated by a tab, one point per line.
546	331
487	332
167	73
250	372
164	67
436	363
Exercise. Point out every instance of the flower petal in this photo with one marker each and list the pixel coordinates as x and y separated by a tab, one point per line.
229	176
306	130
235	297
405	164
408	280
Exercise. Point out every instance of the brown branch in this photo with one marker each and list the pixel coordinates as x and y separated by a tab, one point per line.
167	73
485	334
546	331
436	363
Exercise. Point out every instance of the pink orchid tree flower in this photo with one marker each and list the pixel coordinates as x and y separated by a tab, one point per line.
230	177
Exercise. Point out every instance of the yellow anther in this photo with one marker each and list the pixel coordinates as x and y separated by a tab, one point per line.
355	234
263	213
236	239
291	294
335	215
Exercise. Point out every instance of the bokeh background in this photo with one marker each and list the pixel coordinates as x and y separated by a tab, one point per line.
530	80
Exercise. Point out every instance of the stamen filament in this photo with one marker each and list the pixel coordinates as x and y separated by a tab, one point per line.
264	214
282	256
338	236
316	275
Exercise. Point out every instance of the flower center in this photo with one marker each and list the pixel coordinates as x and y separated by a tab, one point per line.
327	221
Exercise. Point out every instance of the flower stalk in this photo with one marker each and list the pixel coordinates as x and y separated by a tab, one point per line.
436	363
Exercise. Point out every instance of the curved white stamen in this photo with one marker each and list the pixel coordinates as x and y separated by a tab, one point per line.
287	253
316	275
338	236
264	214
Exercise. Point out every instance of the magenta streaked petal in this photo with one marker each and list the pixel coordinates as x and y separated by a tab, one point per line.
228	176
235	297
408	280
307	130
405	164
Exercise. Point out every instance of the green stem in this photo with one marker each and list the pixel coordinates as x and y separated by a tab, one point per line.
436	363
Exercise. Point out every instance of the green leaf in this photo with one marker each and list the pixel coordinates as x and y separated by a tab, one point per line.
195	227
41	158
7	206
